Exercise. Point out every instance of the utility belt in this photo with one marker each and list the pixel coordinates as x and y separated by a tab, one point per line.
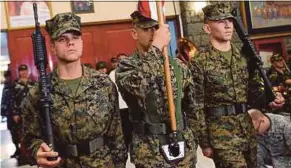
226	110
83	148
154	128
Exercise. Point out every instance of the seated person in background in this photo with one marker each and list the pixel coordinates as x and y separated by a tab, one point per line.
101	67
278	72
274	136
280	78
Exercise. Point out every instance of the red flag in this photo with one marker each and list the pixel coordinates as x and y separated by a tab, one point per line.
149	9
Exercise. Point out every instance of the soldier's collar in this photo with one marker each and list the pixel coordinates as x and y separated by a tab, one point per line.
236	52
153	52
234	48
23	83
58	84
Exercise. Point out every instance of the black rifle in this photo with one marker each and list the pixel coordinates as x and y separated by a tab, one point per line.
40	60
250	51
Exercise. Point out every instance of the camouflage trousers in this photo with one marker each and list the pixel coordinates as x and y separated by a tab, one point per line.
226	158
264	159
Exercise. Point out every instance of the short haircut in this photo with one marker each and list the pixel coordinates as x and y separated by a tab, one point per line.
7	73
121	54
101	65
255	114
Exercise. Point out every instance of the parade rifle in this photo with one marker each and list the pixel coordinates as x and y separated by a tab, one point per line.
40	60
250	51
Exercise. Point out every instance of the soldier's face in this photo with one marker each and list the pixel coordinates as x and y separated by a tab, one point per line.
279	63
121	57
260	126
68	47
114	64
144	36
103	70
23	74
220	30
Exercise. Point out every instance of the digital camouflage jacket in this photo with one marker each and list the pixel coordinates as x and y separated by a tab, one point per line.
90	113
19	91
140	80
220	82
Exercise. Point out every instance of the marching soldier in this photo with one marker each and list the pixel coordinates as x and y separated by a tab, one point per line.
278	73
19	91
7	111
221	79
280	77
85	117
140	79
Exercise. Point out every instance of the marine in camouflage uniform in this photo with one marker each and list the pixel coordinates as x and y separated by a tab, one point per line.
85	118
276	77
221	81
19	91
274	136
140	79
278	74
6	96
6	111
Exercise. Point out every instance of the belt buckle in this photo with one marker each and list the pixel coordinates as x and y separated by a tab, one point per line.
89	147
230	110
240	108
163	128
145	129
83	148
72	150
94	144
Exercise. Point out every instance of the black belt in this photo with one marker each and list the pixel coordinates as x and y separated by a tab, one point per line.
83	148
154	128
226	110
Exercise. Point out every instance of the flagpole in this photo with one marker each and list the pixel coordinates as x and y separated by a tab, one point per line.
167	73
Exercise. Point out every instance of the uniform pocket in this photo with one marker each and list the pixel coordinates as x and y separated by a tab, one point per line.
215	77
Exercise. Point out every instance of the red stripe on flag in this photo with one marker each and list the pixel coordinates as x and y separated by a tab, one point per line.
144	8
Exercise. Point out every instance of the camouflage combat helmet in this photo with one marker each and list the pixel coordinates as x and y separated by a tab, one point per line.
276	57
101	65
141	21
62	23
218	11
22	67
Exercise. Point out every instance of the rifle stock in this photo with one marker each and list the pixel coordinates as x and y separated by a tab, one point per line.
251	53
40	60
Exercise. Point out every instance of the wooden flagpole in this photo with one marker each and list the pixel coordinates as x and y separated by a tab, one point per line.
167	73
